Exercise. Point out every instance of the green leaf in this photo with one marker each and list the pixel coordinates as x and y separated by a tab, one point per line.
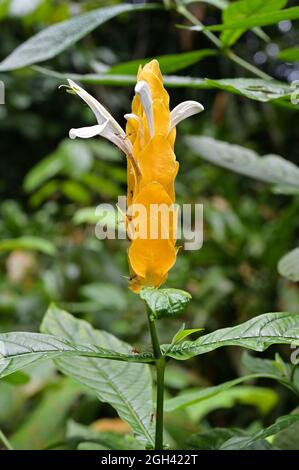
56	38
45	422
86	215
212	439
119	80
244	10
21	349
168	63
76	192
288	265
4	7
262	19
253	88
264	399
28	243
289	55
165	302
126	387
106	296
268	368
238	443
258	334
271	169
91	446
182	334
17	378
72	158
288	438
195	396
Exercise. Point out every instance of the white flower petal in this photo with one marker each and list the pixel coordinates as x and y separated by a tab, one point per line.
111	129
87	132
143	91
183	111
132	116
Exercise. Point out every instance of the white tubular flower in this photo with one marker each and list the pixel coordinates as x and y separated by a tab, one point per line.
183	111
107	126
132	116
143	91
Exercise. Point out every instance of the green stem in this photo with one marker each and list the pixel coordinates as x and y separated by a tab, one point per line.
5	441
188	15
160	369
228	53
246	65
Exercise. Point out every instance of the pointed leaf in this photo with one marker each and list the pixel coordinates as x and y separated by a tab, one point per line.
253	88
243	10
271	169
165	302
56	38
182	334
168	63
21	349
258	334
126	387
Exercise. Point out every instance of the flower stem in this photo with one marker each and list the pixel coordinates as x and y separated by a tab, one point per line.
226	52
160	369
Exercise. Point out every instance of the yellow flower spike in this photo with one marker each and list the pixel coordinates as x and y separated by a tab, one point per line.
148	144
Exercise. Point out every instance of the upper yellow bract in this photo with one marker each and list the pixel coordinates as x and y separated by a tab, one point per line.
151	177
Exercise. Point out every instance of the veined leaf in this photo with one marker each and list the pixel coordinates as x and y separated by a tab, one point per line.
126	387
253	88
271	169
56	38
244	10
165	302
288	265
21	349
168	63
258	334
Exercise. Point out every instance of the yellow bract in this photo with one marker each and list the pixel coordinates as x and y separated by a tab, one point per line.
151	175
